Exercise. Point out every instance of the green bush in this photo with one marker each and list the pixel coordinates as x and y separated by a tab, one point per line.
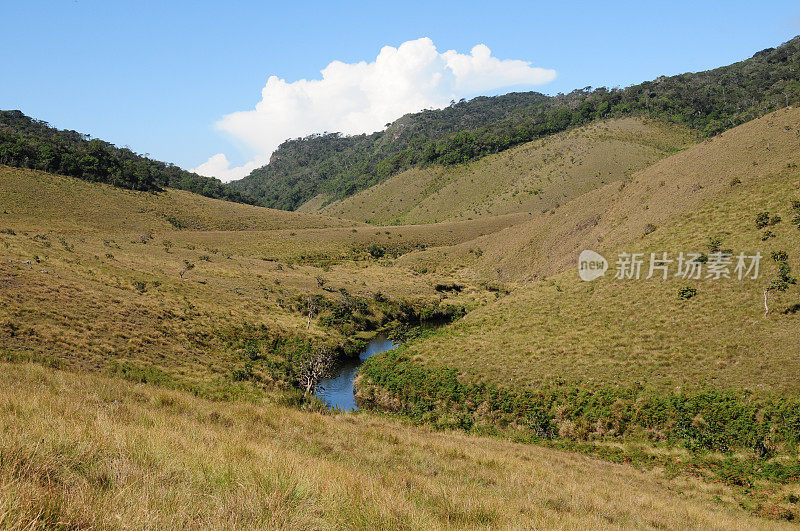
686	292
376	251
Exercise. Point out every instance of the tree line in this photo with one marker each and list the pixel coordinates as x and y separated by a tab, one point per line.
29	143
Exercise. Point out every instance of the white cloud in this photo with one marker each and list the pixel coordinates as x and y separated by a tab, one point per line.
218	166
354	98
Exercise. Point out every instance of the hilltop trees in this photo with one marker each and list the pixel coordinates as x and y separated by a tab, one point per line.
29	143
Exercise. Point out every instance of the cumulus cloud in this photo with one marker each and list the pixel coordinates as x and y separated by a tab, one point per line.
354	98
219	167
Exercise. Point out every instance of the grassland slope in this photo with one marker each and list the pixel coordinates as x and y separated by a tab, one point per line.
653	337
177	286
53	202
532	177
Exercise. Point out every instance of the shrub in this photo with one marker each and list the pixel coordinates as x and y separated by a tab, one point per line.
780	256
794	308
649	229
731	473
448	286
763	220
714	244
142	374
376	251
172	220
686	292
698	420
242	374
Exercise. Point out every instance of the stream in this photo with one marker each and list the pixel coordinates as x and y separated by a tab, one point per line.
337	391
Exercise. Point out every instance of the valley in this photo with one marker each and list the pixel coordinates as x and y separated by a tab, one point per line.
171	345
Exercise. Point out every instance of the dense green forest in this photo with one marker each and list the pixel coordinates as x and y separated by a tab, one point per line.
29	143
339	166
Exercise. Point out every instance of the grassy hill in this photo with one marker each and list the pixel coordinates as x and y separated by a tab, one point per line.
617	331
618	214
38	200
145	370
177	286
339	165
630	360
134	324
532	177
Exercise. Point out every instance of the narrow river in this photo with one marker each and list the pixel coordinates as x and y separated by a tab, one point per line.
337	391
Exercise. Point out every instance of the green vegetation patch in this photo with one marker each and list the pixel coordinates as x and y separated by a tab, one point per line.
709	419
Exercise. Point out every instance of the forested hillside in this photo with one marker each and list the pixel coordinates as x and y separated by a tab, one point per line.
343	165
29	143
337	166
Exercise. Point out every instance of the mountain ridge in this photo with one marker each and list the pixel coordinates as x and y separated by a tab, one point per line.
710	101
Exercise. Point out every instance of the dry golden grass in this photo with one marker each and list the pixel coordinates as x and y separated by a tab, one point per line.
532	177
616	215
42	201
620	332
82	451
90	277
102	286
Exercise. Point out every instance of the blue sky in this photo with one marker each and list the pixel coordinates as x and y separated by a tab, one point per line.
158	76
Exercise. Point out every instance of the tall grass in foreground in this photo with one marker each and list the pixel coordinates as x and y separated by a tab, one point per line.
84	451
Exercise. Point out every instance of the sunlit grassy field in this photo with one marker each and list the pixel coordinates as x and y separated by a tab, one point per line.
93	276
626	331
104	287
51	202
83	451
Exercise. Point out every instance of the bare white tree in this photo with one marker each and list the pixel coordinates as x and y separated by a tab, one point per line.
312	307
314	366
